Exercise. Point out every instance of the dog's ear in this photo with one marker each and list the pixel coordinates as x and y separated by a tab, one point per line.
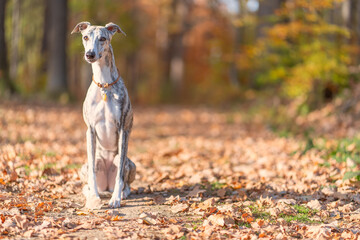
113	28
80	27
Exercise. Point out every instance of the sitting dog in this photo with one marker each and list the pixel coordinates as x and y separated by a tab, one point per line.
108	115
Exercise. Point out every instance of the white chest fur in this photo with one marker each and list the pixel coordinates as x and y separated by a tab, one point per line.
103	116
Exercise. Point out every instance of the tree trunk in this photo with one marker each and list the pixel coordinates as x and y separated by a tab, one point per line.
4	65
239	39
132	60
175	51
15	37
45	37
57	31
353	26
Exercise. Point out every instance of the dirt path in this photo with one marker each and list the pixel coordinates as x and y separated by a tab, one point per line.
201	174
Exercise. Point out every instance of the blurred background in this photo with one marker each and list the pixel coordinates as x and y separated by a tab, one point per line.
187	51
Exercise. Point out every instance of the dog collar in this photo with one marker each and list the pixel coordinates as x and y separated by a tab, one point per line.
106	85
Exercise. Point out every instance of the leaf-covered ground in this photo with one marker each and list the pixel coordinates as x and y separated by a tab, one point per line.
201	174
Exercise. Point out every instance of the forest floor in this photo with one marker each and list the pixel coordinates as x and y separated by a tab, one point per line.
201	173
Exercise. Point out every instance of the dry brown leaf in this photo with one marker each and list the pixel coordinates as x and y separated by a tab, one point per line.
22	222
207	203
247	218
44	224
29	233
67	223
221	192
221	220
172	199
172	152
148	219
159	200
182	207
314	204
355	217
116	218
196	192
87	225
13	176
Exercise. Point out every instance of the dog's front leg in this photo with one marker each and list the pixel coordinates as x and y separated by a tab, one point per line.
115	200
92	199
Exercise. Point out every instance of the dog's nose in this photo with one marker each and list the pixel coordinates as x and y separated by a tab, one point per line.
90	55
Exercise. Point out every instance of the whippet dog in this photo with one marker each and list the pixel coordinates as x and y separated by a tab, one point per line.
108	115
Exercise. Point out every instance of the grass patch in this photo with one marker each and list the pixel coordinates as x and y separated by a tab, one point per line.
73	166
243	224
196	224
217	185
27	170
340	150
259	213
303	215
48	165
50	154
297	218
303	209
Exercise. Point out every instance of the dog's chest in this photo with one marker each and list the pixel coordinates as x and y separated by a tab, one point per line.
104	117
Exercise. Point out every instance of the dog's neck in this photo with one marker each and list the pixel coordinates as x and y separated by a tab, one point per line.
104	69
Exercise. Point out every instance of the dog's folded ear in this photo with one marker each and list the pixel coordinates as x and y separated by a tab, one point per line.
113	28
80	27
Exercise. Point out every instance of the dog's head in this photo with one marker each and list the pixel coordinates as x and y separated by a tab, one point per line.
96	39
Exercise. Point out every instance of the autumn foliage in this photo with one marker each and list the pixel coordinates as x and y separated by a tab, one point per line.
197	51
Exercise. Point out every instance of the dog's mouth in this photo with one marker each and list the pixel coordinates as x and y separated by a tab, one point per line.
91	60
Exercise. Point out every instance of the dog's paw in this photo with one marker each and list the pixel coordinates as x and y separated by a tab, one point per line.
93	202
115	202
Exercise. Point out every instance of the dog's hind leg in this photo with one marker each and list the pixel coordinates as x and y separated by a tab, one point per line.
101	176
129	175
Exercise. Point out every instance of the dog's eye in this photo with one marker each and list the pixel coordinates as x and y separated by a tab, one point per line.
102	39
86	38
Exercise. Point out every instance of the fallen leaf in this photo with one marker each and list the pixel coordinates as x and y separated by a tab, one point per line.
117	218
86	225
287	201
207	203
29	233
13	176
247	218
159	200
221	220
179	208
82	213
172	199
314	204
148	219
196	192
22	222
44	224
67	223
221	192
